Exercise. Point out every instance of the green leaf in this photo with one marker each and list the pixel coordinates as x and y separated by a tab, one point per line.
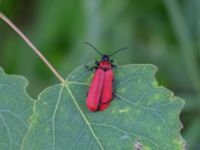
142	116
15	110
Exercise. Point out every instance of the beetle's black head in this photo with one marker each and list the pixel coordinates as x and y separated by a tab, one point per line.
105	58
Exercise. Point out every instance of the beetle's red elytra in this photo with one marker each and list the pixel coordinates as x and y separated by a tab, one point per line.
101	90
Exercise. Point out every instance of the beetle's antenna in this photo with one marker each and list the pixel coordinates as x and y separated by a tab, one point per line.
121	49
89	44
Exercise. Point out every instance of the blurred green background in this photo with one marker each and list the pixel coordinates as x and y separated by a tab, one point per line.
161	32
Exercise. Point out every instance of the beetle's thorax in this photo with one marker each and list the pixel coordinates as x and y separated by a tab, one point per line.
105	65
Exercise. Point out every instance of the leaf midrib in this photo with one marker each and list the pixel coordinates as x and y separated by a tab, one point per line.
85	118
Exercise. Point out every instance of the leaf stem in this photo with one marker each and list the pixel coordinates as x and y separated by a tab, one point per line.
30	44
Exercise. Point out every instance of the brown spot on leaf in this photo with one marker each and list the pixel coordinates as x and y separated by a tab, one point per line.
138	145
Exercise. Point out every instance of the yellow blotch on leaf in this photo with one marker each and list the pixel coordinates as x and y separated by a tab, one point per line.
34	118
113	111
122	90
45	103
155	84
125	110
47	129
147	148
156	96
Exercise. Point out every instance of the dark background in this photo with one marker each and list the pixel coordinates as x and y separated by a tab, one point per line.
161	32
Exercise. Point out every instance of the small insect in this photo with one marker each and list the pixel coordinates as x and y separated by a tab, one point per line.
102	88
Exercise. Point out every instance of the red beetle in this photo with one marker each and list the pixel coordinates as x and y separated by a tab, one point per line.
101	89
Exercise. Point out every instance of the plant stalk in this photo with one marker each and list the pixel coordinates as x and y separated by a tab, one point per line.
30	44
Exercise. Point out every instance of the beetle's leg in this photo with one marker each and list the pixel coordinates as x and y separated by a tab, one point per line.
114	87
113	64
97	63
90	68
87	93
87	67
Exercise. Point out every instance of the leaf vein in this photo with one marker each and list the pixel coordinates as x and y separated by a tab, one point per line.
127	133
15	115
8	130
78	138
78	83
84	118
38	132
53	117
